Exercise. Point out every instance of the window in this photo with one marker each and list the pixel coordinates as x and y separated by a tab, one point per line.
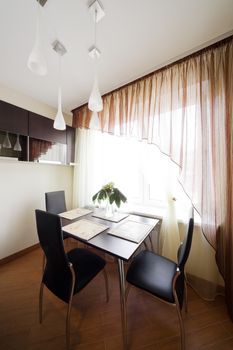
144	174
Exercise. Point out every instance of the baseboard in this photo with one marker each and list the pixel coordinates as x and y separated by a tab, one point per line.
18	254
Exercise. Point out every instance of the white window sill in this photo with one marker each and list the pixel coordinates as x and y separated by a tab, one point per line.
157	212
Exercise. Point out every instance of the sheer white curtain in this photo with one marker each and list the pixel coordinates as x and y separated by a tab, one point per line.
186	109
150	181
169	233
101	158
147	177
88	170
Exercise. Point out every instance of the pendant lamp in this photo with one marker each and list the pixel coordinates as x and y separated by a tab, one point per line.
95	102
17	146
36	60
59	122
6	141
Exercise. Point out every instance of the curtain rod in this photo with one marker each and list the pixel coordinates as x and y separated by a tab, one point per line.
183	59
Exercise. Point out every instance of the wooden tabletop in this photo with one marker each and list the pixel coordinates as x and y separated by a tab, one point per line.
115	246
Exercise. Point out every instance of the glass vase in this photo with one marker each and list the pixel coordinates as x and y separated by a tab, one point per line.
108	209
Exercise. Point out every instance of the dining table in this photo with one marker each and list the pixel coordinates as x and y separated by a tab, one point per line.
115	244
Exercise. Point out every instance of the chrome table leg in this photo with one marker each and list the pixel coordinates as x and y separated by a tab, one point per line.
122	300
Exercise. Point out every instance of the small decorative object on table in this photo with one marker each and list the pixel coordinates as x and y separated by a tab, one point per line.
111	195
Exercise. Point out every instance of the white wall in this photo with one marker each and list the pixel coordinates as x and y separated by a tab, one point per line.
23	184
22	188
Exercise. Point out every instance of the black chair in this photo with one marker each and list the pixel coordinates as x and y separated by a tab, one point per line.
65	274
55	203
162	277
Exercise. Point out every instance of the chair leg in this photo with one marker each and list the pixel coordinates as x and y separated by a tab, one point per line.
106	284
69	308
41	301
68	322
182	334
185	296
41	290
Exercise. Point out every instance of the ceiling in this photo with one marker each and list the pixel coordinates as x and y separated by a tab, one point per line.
135	37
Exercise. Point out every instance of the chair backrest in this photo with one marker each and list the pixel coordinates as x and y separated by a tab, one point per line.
57	276
184	249
51	240
55	202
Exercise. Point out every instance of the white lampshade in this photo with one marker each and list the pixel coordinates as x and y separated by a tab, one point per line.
95	102
36	61
17	146
6	141
59	122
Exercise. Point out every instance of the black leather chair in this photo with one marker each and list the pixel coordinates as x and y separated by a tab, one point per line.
55	203
162	277
65	274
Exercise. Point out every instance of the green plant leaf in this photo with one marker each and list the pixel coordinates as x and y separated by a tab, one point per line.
111	193
111	198
102	195
95	197
120	195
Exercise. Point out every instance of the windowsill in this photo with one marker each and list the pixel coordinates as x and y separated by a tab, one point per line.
154	212
157	212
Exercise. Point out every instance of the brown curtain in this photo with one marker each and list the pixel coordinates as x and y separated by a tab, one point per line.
186	110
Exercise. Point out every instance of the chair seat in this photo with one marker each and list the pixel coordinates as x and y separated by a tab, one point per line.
86	266
154	274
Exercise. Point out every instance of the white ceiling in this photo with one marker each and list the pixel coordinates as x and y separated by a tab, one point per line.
135	37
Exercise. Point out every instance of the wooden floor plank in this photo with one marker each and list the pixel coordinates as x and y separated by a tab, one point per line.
95	324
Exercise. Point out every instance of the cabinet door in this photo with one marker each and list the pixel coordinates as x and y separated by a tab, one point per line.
13	119
70	139
42	128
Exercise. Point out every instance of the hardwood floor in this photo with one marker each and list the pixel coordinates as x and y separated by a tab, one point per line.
95	324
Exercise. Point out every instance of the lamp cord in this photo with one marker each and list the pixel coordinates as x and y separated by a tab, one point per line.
95	27
59	82
95	54
38	19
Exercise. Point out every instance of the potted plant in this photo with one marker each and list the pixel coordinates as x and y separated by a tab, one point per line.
110	194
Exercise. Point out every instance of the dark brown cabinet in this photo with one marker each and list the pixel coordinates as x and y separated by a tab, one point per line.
13	119
70	140
38	139
42	128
